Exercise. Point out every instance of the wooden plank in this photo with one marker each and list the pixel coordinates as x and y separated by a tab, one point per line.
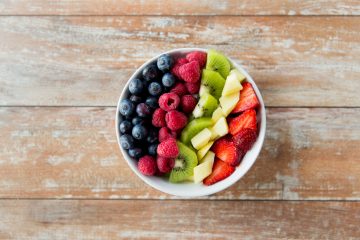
178	7
72	153
85	61
146	219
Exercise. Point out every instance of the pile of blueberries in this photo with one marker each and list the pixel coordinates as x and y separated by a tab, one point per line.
138	136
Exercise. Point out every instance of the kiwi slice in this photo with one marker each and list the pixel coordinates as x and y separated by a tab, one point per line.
193	128
206	106
218	62
213	82
185	163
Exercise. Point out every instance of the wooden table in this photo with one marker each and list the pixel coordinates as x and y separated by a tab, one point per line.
64	64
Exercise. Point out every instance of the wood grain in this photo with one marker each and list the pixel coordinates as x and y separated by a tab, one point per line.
179	7
85	61
308	154
52	219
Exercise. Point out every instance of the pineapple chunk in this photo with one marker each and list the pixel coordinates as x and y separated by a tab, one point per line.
219	129
229	102
218	113
210	156
201	153
201	139
203	89
204	169
240	77
232	85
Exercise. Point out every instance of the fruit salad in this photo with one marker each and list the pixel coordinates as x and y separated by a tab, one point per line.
189	118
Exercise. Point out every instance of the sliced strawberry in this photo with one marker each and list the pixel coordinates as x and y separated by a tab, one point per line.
246	120
220	171
226	150
248	99
244	140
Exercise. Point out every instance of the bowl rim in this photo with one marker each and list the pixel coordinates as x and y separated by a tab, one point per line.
207	190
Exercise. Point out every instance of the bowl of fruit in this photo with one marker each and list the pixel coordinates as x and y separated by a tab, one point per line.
190	122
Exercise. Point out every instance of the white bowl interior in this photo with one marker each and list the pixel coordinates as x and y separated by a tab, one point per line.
190	189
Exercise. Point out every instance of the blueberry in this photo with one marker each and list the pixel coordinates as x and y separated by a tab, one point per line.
136	86
125	126
139	132
136	152
150	72
126	107
126	141
152	102
143	110
165	62
152	136
135	99
152	149
138	120
168	80
155	89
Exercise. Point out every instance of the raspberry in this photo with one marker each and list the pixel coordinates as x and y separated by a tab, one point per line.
190	72
177	65
200	57
158	118
175	120
147	165
169	101
193	88
168	148
182	61
188	103
165	133
179	89
165	165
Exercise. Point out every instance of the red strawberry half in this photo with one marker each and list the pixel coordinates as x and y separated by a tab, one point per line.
246	120
248	99
226	150
220	171
244	140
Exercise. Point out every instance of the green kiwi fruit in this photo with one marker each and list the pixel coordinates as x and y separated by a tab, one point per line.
206	106
213	82
218	62
203	89
185	163
193	128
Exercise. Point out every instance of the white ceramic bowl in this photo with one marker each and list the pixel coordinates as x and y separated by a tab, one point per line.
190	189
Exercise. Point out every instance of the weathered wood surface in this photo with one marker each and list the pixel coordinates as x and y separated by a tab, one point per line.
67	152
179	7
76	57
146	219
85	61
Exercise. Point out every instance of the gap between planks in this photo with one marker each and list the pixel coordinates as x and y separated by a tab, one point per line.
187	15
193	8
183	199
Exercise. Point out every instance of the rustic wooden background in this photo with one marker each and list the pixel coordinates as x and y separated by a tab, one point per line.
63	64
